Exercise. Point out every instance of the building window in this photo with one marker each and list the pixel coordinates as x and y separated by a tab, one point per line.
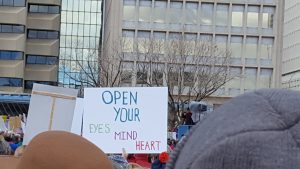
251	47
266	48
175	14
159	11
128	36
265	78
250	78
237	15
8	28
11	55
43	60
236	46
42	34
268	17
145	11
191	45
50	9
129	12
222	15
207	13
252	16
29	83
191	13
221	42
11	82
159	42
143	41
16	3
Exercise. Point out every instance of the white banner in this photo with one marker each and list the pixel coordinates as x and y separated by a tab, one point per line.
130	118
50	108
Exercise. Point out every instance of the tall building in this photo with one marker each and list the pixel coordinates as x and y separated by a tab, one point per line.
29	43
81	22
291	50
250	29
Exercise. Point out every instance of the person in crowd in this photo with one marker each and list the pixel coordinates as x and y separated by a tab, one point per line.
58	150
257	130
188	118
20	151
5	148
160	163
172	144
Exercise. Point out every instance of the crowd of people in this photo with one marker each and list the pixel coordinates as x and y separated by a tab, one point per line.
256	130
9	142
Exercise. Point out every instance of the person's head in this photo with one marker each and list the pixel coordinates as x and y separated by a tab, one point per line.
20	151
163	157
58	149
173	142
258	130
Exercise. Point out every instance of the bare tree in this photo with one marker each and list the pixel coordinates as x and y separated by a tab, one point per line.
98	68
192	70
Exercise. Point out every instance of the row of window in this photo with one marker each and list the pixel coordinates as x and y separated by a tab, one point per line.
31	59
253	78
17	3
250	47
50	9
9	28
29	83
42	34
33	8
11	82
44	60
203	14
11	55
32	34
18	82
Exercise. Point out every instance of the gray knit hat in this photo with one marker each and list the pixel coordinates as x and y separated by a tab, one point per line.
258	130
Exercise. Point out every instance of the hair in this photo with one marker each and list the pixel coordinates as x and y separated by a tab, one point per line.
20	151
134	166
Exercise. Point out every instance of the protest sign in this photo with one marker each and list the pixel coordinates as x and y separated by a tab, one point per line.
2	125
172	135
51	108
77	118
130	118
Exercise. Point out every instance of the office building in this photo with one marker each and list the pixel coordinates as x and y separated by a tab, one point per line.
291	50
250	29
29	43
80	35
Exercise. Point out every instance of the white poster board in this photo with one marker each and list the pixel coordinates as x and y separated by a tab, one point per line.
50	108
77	118
130	118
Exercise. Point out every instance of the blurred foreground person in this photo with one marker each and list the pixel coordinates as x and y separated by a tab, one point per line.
58	150
258	130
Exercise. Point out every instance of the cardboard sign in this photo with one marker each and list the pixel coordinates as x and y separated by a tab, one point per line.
77	118
130	118
51	108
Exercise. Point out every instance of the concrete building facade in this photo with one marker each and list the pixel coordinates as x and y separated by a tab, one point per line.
250	29
291	42
29	43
